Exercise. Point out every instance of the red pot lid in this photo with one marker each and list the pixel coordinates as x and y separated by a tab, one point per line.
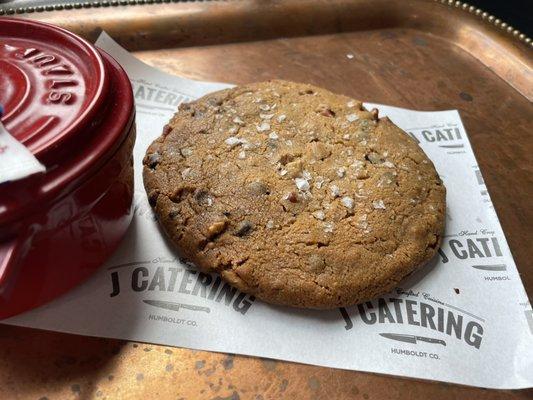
52	84
69	103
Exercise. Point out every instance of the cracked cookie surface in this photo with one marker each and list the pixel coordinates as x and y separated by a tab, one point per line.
294	194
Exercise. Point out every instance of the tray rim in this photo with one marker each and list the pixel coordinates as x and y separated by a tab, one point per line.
489	19
389	378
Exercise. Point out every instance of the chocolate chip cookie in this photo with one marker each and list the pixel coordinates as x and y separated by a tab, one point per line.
294	194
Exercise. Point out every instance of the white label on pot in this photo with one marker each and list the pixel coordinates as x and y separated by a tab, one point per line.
16	161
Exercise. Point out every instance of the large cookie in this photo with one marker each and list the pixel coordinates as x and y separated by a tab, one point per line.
294	194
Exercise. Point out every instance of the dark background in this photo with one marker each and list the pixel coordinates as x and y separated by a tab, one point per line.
517	13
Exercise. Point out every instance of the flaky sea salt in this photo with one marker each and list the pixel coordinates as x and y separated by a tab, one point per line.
341	172
319	215
238	121
242	155
233	141
265	126
335	191
301	184
186	152
357	164
352	117
347	202
266	116
328	227
361	222
281	118
378	204
273	135
250	146
185	173
351	104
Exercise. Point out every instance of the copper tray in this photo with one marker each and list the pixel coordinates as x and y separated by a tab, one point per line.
416	54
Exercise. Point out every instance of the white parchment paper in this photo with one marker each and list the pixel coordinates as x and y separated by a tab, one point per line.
465	318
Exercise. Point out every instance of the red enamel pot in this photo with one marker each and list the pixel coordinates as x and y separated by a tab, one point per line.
71	105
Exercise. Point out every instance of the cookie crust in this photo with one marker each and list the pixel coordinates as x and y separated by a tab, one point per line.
295	194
